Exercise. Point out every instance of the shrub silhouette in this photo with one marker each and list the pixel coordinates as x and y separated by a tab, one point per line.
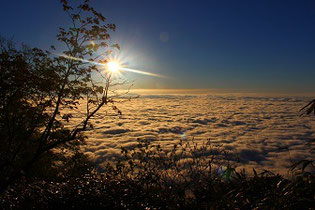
300	166
38	87
151	177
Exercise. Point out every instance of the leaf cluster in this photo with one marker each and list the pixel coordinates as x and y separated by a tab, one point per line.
38	88
143	187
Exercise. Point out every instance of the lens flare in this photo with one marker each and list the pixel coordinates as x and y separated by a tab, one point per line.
113	66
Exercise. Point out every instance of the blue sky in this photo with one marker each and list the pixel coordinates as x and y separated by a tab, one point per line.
243	45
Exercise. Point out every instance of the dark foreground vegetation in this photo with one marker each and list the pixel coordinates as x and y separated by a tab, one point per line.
41	165
148	177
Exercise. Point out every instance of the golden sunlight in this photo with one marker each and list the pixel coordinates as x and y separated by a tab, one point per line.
113	66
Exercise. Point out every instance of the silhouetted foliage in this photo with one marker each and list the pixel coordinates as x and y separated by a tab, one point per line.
308	108
37	88
203	181
300	166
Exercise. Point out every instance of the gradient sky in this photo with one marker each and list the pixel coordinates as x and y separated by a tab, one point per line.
249	45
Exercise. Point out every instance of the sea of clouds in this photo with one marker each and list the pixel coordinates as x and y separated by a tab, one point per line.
261	132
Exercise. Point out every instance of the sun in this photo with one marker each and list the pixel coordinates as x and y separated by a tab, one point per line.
113	66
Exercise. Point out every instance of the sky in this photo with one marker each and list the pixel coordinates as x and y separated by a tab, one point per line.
248	45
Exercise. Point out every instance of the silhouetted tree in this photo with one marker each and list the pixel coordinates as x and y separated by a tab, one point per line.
37	87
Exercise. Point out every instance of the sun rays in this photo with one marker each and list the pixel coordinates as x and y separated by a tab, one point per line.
114	67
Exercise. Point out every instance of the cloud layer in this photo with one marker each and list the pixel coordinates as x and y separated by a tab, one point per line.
259	132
